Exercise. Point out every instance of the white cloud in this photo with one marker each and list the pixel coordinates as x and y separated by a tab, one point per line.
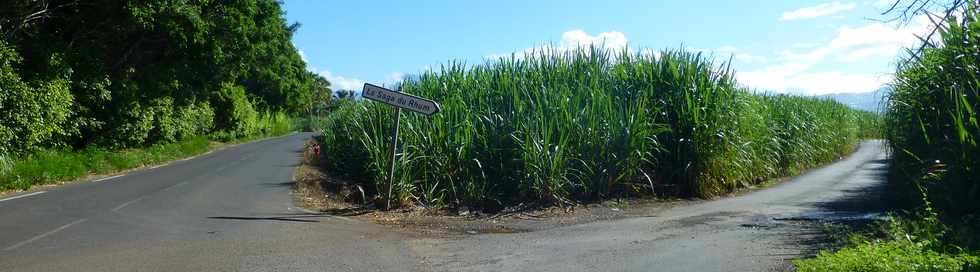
813	83
857	43
887	50
302	56
750	58
736	53
342	83
727	48
817	11
394	78
883	3
577	38
804	45
570	40
852	44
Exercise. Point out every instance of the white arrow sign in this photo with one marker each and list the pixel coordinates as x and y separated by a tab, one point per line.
401	100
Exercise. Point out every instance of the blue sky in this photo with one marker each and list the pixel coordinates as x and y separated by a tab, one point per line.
811	47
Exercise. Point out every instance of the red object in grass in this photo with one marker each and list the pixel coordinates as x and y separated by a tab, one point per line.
316	150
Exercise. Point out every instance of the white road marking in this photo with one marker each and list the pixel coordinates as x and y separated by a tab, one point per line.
117	208
24	195
107	178
79	221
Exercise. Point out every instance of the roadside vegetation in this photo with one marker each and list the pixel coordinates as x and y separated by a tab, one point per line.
56	165
931	125
99	86
560	127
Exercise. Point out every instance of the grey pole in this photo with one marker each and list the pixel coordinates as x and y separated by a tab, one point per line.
394	151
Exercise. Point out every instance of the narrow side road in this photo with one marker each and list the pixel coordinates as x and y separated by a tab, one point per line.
759	231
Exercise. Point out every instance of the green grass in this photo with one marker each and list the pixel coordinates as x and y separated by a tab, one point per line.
903	243
55	165
888	256
48	166
584	125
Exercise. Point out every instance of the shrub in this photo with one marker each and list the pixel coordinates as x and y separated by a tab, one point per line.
233	112
31	115
931	123
888	256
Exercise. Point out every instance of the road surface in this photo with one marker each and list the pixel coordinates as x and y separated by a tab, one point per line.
231	210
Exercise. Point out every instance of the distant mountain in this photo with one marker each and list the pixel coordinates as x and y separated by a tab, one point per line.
870	101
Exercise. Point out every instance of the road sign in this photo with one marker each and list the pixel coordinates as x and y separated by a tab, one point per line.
401	100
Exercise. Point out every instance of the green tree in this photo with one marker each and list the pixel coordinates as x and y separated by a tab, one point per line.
131	71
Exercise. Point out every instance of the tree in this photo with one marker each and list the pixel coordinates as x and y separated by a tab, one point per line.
131	68
321	93
345	94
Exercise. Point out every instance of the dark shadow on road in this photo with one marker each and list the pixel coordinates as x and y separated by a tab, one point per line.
868	199
857	208
345	212
280	184
348	211
301	218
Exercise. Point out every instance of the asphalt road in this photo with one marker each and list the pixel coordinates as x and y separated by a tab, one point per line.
231	210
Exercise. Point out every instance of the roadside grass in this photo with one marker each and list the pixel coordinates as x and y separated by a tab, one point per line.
902	243
56	165
896	256
47	166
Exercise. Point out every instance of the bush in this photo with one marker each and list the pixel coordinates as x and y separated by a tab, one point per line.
273	124
31	115
6	163
888	256
931	123
233	113
914	243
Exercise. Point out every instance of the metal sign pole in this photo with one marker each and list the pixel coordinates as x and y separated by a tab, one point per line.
399	100
394	151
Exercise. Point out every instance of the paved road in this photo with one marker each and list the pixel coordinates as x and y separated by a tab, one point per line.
231	210
759	231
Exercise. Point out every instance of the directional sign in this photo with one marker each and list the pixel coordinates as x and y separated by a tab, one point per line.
401	100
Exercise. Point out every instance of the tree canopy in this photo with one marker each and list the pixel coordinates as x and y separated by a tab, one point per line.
121	73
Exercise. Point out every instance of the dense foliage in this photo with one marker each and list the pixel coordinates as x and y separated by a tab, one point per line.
897	256
585	124
122	73
932	126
